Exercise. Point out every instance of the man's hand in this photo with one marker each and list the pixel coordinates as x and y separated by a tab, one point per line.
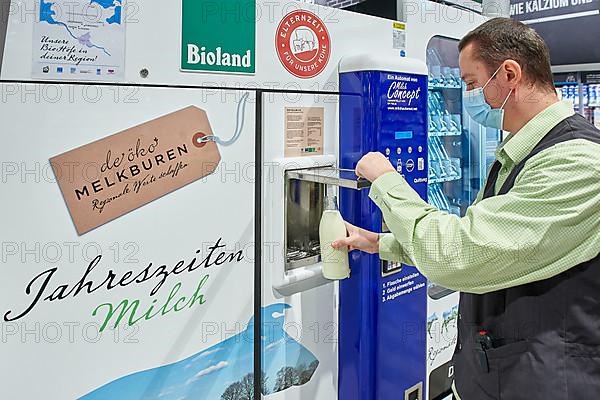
358	239
373	165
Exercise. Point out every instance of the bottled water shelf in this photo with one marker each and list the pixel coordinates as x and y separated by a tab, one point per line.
451	133
431	181
440	86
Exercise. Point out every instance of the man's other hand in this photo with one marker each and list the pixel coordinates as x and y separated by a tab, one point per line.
358	239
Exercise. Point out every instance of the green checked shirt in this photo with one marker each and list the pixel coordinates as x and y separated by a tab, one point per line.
547	223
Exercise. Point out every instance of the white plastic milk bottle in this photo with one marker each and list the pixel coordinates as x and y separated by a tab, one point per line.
332	228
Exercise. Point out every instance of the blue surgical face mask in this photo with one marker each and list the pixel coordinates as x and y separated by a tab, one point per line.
480	110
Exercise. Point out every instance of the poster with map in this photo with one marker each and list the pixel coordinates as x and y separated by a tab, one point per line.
79	40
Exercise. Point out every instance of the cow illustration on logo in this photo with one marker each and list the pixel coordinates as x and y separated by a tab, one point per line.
303	44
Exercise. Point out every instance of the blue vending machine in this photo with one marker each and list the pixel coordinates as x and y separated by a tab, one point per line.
383	305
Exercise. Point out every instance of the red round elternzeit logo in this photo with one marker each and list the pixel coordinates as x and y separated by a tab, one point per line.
303	44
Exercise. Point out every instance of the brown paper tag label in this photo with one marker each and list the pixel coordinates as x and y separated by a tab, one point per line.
303	131
106	179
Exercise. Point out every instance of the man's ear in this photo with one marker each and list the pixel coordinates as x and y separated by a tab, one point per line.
511	73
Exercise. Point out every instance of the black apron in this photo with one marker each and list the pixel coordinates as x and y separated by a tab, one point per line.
538	341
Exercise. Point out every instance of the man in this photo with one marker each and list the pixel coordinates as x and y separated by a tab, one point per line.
526	254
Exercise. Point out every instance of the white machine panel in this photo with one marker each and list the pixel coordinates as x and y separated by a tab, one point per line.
53	343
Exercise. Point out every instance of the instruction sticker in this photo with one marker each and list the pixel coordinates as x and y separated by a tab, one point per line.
106	179
304	131
399	37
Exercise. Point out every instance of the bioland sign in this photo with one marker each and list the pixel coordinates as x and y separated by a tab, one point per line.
216	41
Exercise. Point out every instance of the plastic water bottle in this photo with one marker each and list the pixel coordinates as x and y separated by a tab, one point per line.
332	228
571	94
592	95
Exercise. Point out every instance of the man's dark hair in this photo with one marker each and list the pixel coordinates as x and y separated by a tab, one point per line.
500	39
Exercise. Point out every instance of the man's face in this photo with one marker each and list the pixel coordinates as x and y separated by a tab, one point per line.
475	74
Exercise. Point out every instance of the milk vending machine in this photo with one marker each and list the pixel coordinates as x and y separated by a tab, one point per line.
164	170
383	107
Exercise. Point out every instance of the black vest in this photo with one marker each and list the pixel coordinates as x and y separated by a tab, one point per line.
539	341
